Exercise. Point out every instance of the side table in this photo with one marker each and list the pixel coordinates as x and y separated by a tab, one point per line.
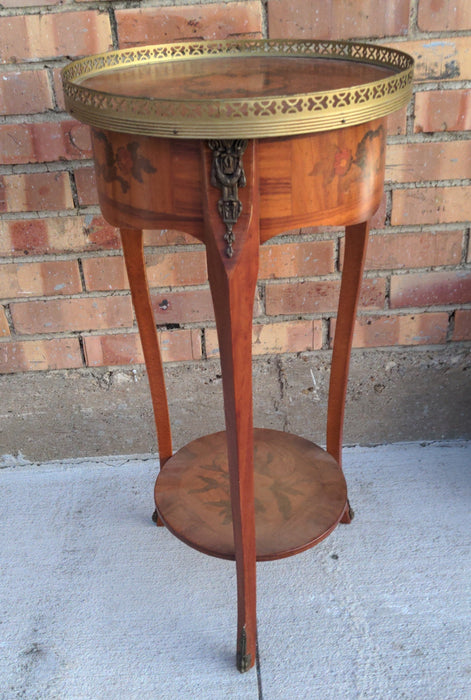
235	142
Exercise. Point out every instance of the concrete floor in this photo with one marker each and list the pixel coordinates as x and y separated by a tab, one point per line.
98	603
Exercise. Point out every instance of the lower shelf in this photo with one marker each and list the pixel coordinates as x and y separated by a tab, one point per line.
300	495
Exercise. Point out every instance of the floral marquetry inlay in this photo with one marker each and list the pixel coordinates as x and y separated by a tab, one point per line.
127	162
299	488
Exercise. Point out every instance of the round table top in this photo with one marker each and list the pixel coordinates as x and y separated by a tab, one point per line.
238	89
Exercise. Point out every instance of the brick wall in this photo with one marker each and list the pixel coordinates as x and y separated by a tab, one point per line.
64	298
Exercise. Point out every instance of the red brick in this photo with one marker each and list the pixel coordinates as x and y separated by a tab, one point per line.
187	306
56	235
336	19
103	274
49	141
4	328
397	122
442	110
168	237
462	329
180	345
378	220
30	355
385	331
439	59
82	314
39	236
318	297
431	205
297	259
163	270
61	234
25	92
431	288
57	277
276	338
444	15
85	182
28	3
163	24
35	192
409	250
126	348
177	269
428	161
33	37
106	350
182	306
100	234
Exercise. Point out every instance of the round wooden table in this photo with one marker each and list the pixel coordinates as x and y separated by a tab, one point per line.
235	142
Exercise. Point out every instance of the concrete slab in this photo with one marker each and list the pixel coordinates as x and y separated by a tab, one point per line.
381	609
96	602
393	396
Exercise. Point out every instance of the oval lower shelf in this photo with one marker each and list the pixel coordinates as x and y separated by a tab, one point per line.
300	495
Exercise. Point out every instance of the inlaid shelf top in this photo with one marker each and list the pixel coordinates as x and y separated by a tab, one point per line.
238	88
300	495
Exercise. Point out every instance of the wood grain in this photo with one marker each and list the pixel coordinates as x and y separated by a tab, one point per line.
328	178
233	281
132	242
356	238
300	495
210	494
246	77
146	182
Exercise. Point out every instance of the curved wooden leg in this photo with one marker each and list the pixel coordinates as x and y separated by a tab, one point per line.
356	238
232	272
132	241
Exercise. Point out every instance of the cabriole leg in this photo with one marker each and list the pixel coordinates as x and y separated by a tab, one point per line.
356	238
232	271
132	240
